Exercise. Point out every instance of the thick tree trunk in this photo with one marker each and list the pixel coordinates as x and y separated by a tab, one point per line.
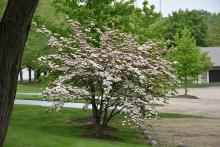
21	76
14	28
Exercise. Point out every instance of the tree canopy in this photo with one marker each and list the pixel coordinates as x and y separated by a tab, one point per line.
190	20
111	13
213	35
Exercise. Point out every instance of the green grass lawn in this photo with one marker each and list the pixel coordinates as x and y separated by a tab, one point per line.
29	88
28	97
194	85
177	115
32	126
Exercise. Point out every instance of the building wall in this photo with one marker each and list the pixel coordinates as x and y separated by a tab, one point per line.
26	74
204	78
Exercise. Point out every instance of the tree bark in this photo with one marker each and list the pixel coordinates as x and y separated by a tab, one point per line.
29	75
185	83
98	126
35	76
14	28
21	76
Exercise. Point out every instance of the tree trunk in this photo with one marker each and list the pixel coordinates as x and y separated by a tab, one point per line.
98	126
29	75
35	76
21	76
38	74
185	83
14	28
197	80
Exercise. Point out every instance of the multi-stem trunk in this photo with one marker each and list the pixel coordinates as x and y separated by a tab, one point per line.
14	28
96	117
102	118
98	126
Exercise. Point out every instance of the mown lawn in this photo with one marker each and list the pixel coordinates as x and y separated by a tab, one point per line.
33	126
28	97
29	88
202	85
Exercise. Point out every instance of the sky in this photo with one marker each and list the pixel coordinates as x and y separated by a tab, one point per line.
173	5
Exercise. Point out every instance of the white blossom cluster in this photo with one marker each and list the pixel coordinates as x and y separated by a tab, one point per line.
118	74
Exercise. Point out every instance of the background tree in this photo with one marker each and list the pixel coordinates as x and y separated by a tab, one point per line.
213	35
212	20
118	74
190	20
14	28
191	61
156	30
111	13
34	50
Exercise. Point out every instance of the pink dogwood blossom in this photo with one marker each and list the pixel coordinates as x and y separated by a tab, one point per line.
117	75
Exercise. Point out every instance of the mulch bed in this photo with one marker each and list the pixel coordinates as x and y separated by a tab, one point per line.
86	123
187	96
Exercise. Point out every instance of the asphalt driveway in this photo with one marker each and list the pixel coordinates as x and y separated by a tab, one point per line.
207	105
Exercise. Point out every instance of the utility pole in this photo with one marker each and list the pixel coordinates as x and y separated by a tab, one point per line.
160	9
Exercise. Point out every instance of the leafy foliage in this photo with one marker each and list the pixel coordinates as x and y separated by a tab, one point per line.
190	20
191	61
212	20
111	13
213	35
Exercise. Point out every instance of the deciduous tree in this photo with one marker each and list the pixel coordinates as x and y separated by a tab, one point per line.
191	61
118	75
190	20
122	15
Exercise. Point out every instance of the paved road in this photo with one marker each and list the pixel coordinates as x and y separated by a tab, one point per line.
48	104
208	103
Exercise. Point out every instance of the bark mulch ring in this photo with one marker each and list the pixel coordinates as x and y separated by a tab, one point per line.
86	124
186	96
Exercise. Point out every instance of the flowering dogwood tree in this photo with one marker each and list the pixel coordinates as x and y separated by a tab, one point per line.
116	75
